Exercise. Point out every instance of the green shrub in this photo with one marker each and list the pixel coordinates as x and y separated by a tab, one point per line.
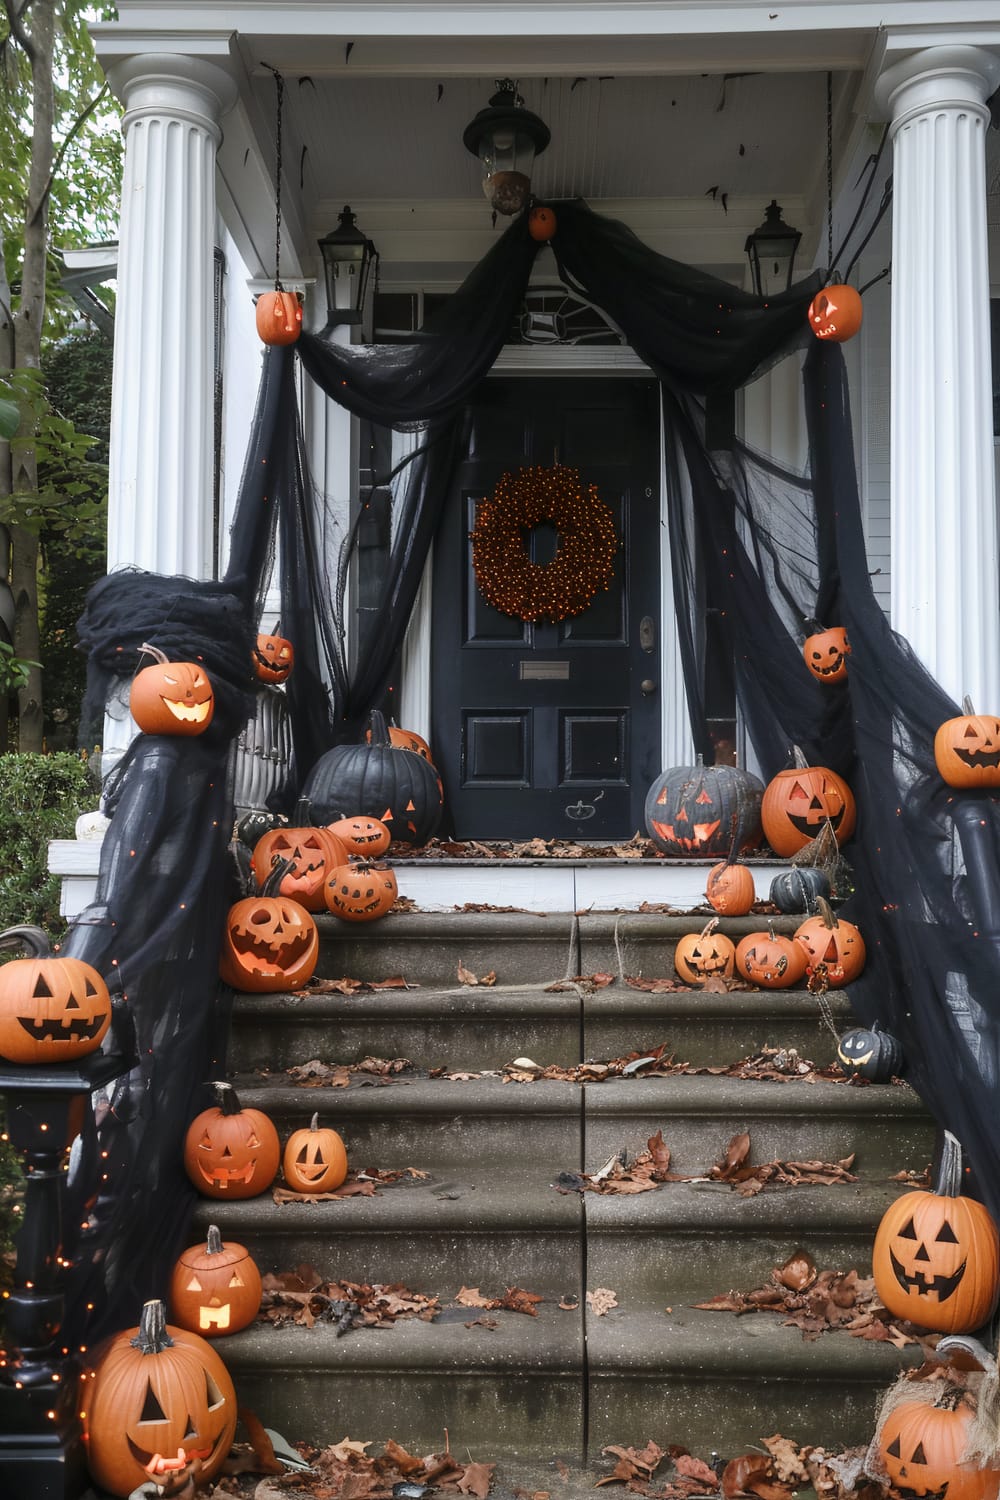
41	797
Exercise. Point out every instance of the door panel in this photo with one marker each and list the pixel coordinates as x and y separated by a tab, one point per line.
543	729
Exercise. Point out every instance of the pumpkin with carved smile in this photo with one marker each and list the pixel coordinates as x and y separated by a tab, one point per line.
172	697
835	313
231	1152
360	892
873	1054
215	1288
922	1448
161	1407
273	658
967	749
834	943
704	955
826	652
798	804
315	1160
366	837
704	810
314	853
936	1257
270	942
770	959
51	1009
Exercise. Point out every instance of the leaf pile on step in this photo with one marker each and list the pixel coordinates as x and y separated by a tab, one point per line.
817	1302
651	1168
305	1297
776	1473
346	1471
637	847
362	1184
316	1074
769	1065
348	986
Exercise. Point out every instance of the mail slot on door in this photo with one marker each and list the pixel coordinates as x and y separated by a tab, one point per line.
544	671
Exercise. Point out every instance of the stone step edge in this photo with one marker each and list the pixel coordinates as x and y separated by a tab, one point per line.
547	926
420	1000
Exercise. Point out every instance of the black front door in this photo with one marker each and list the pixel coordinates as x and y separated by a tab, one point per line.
552	729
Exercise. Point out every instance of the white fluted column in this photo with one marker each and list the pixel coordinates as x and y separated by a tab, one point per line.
945	572
162	441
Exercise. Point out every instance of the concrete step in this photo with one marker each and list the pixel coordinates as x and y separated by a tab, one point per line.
471	1028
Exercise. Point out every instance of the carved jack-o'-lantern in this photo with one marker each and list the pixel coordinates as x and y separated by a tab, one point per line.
730	889
51	1009
967	749
704	810
873	1054
799	802
270	942
366	837
159	1400
922	1447
279	317
936	1256
405	739
215	1288
173	697
314	853
835	313
826	652
770	960
379	780
273	658
707	954
230	1152
835	944
315	1160
360	892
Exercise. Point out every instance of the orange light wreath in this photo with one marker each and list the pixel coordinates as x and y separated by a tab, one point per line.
584	560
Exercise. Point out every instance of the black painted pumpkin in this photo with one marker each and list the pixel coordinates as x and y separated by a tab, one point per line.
695	810
252	827
873	1054
378	780
799	890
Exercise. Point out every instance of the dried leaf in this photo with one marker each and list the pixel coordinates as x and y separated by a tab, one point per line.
403	1461
660	1154
470	1296
516	1299
476	1479
736	1155
695	1468
466	976
787	1459
601	1301
263	1449
342	1451
742	1475
798	1272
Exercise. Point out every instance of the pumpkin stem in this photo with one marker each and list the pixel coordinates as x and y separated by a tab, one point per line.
226	1095
801	764
826	912
152	1336
302	817
154	651
708	928
813	627
964	1343
967	707
213	1241
379	732
32	939
948	1178
271	886
314	1122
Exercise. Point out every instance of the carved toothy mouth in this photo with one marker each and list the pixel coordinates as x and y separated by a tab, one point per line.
65	1029
223	1177
942	1287
811	825
278	669
979	759
826	671
855	1062
189	713
158	1465
213	1317
265	956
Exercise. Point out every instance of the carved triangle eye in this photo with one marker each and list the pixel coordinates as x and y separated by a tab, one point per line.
42	991
919	1456
152	1411
894	1449
908	1232
946	1235
194	1285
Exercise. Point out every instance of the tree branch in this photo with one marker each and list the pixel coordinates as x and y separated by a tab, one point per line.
23	38
74	130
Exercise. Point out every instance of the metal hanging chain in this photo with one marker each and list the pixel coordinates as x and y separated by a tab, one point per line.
829	174
279	90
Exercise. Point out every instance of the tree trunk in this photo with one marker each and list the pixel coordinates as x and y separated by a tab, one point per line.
6	363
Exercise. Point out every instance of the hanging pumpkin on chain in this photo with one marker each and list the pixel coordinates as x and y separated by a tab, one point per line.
825	652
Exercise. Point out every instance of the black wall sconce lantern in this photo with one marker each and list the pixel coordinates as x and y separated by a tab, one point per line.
348	258
771	251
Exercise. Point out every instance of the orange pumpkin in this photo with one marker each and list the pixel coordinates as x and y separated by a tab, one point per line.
270	942
405	739
799	802
967	749
770	960
936	1257
366	837
835	944
826	652
542	223
51	1009
279	317
273	658
231	1152
314	853
922	1447
730	889
161	1406
360	892
315	1160
215	1288
173	697
835	313
707	954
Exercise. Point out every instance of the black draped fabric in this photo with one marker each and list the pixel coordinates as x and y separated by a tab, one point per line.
762	547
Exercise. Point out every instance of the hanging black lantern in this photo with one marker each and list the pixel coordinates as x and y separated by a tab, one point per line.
506	137
348	257
771	251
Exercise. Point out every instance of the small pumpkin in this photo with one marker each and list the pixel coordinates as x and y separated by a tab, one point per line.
314	852
797	889
273	658
799	802
315	1159
51	1009
967	749
836	944
231	1152
870	1053
922	1447
365	837
279	317
378	780
730	889
160	1406
707	954
172	697
215	1288
825	653
936	1257
542	223
835	313
360	892
770	959
703	809
270	942
405	739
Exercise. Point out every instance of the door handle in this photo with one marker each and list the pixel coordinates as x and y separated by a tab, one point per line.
647	687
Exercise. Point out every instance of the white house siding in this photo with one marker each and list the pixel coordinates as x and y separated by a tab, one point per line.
871	417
